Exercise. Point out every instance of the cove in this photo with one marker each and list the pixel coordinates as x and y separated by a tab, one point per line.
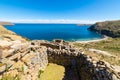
67	32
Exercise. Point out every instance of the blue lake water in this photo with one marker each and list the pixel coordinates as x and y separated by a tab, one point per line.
68	32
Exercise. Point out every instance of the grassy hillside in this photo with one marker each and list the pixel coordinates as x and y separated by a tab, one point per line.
111	45
9	35
5	31
109	28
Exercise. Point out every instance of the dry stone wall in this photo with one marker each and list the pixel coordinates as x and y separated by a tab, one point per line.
29	58
22	59
88	68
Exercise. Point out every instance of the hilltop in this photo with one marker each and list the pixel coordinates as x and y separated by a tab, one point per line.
109	28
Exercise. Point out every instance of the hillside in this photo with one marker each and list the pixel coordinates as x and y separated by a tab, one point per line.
9	35
5	31
109	28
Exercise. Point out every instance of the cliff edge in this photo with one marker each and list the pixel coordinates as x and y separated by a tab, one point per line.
109	28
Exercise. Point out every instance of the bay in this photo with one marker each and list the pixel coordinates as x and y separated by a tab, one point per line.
68	32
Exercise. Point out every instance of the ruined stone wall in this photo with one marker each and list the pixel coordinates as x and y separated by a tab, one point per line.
22	59
59	57
88	68
28	58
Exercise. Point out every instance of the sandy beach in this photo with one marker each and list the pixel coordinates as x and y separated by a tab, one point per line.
96	40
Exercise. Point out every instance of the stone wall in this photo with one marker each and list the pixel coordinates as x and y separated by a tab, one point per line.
22	59
88	68
29	58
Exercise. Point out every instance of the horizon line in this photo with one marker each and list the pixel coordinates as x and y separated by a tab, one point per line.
54	21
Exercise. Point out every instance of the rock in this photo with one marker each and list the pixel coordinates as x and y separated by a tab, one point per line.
3	67
16	42
7	53
8	62
27	58
15	57
18	65
117	69
12	73
5	43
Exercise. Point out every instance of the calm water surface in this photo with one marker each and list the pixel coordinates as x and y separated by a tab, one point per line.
68	32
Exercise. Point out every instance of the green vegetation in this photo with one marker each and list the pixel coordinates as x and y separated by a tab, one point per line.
111	45
39	73
52	72
109	28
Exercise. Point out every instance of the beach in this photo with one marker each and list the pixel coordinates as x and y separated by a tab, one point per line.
96	40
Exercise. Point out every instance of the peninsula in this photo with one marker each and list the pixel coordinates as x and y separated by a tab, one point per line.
109	28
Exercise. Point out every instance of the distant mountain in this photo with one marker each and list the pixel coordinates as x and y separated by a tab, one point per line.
5	23
109	28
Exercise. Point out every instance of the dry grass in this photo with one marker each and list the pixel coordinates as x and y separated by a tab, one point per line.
111	45
9	35
111	59
53	72
5	31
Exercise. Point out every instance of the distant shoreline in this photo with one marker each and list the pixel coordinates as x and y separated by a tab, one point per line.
96	40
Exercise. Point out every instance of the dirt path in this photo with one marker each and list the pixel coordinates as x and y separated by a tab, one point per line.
101	52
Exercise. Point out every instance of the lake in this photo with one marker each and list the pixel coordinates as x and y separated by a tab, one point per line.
68	32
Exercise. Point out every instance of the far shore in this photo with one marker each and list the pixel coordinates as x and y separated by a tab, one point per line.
96	40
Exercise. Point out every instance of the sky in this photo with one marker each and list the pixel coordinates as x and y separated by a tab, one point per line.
59	10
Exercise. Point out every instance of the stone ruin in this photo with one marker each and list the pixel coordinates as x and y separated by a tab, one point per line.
29	58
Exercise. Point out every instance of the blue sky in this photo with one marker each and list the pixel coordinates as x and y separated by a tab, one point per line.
87	10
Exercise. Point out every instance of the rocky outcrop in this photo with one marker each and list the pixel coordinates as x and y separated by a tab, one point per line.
109	28
26	59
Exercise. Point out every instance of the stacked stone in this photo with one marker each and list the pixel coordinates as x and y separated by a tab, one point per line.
24	59
28	58
88	68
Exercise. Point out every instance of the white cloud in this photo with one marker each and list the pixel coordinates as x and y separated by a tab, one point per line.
54	21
